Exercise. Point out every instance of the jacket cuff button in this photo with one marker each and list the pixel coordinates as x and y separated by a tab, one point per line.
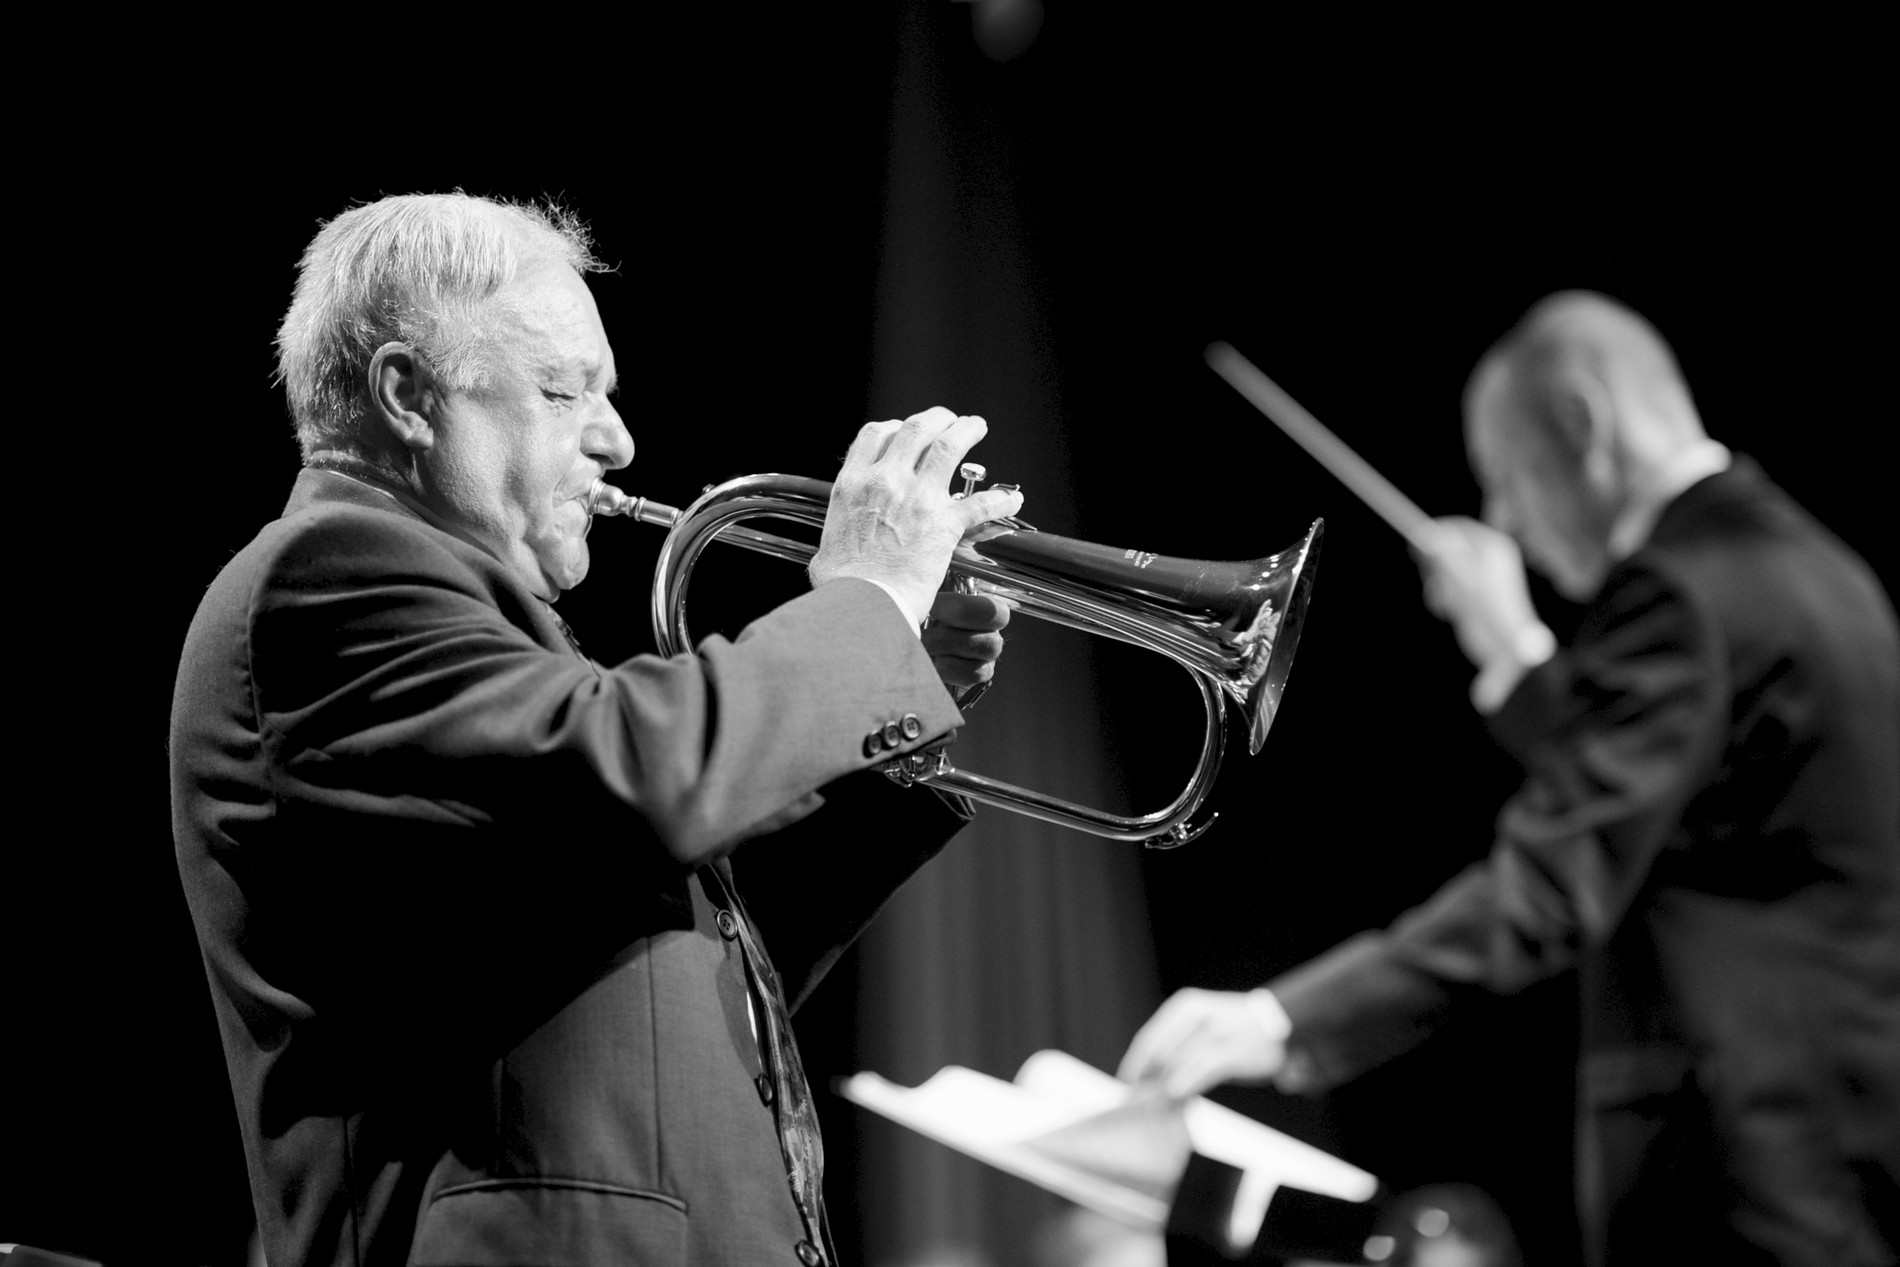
911	726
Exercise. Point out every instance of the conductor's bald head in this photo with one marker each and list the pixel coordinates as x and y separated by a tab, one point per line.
1573	420
1577	343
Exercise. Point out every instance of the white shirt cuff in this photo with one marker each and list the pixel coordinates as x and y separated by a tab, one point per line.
911	618
1531	645
1269	1015
1294	1074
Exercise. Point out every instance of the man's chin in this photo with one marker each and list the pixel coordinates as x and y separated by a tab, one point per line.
552	570
568	571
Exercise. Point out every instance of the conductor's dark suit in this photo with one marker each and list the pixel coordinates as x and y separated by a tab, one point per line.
1709	829
462	894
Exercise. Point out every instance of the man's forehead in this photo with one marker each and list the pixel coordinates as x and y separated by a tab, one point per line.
1489	383
1506	438
1486	405
557	324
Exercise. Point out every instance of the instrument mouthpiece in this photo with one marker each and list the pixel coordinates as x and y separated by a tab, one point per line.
607	499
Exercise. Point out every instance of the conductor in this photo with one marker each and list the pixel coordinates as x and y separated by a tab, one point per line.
1708	829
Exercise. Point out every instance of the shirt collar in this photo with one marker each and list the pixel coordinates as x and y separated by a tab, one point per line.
351	467
1691	466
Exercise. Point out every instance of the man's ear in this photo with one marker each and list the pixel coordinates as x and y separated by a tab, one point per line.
1586	419
403	394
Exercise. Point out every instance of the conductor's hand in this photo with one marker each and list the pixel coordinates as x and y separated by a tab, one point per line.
1202	1038
892	518
964	637
1474	580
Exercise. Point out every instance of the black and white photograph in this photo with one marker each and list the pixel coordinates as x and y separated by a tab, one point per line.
956	633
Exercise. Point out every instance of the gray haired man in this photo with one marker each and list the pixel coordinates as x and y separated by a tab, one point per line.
487	923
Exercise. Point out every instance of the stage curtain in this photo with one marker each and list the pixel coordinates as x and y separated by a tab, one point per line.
1022	935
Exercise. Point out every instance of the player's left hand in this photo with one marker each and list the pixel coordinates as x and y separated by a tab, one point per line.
964	637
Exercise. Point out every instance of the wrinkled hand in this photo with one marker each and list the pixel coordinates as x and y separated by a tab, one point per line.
964	637
892	518
1200	1039
1474	580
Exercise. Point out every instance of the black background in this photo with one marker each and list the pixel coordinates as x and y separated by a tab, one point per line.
1361	219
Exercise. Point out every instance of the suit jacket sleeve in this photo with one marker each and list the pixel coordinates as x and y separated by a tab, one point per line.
814	888
425	764
1615	735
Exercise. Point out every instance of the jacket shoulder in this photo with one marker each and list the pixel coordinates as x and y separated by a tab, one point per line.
1770	573
328	547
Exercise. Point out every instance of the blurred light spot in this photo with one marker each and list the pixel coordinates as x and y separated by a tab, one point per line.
1004	28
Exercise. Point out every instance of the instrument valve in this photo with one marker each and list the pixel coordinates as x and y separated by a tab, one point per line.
1181	834
918	767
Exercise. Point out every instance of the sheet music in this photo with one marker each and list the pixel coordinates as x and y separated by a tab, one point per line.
1083	1134
994	1121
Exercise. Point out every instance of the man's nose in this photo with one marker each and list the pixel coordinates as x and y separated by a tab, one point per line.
608	440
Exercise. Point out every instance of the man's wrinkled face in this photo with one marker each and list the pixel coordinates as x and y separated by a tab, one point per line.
515	459
1534	492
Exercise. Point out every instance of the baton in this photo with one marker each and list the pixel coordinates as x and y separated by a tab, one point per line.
1372	488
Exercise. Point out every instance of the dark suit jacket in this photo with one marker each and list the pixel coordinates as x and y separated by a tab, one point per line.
1709	829
450	883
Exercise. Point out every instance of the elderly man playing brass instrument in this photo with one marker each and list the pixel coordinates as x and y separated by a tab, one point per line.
487	923
1708	829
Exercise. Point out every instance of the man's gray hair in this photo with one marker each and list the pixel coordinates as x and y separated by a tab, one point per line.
421	269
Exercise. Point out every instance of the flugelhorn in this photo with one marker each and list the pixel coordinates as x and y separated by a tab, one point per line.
1232	626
